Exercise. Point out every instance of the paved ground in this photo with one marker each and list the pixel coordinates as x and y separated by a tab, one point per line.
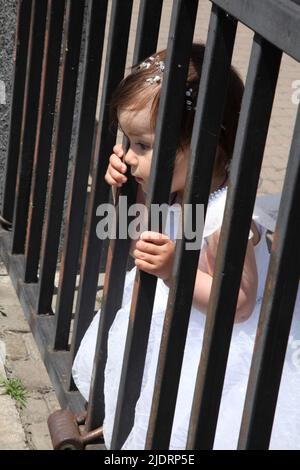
22	428
27	429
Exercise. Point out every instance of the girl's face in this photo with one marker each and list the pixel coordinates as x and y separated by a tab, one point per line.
136	127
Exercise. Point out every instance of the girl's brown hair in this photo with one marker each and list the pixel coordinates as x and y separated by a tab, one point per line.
127	97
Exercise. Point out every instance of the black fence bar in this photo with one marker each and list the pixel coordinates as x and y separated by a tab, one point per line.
78	194
145	45
29	123
278	22
172	102
208	120
105	140
54	27
147	29
20	58
60	154
246	163
277	311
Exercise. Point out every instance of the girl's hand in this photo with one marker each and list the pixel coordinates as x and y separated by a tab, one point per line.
154	254
114	175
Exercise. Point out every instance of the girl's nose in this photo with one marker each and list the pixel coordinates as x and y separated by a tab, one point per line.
131	158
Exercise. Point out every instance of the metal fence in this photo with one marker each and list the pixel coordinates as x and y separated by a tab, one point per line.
48	42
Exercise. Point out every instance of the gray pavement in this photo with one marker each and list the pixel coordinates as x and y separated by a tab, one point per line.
26	428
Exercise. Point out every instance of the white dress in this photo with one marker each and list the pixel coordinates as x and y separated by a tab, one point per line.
286	428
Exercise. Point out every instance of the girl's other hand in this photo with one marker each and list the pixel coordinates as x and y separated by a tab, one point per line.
115	174
154	254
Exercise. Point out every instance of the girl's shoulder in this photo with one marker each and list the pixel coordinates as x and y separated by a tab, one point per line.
264	214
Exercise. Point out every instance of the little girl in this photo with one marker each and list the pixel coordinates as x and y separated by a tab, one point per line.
135	106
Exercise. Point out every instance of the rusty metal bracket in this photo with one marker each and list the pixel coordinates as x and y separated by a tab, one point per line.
68	431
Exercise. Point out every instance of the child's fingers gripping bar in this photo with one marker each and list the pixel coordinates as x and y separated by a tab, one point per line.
119	162
154	237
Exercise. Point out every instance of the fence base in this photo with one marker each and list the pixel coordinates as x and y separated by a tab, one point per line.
57	363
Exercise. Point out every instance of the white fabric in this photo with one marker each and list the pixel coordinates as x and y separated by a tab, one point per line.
286	428
265	211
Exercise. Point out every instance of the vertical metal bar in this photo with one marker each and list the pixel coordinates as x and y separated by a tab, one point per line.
105	139
147	29
145	44
172	102
55	17
277	311
20	59
29	123
208	120
246	164
78	194
60	153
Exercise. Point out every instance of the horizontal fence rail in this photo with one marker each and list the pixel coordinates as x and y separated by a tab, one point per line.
57	156
276	21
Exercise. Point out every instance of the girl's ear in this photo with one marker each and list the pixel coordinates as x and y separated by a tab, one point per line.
182	154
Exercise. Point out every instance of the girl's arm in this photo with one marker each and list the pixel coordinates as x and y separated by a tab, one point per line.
204	277
154	254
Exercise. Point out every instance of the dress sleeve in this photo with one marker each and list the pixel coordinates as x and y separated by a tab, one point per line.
266	210
265	213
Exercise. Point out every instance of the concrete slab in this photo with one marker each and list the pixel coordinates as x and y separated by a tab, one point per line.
12	435
22	428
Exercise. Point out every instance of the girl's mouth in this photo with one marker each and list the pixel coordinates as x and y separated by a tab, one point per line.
138	180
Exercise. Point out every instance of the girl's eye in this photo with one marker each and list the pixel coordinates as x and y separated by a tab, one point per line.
142	146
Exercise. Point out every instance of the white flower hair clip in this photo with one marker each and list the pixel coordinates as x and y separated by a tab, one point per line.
155	79
189	100
160	66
